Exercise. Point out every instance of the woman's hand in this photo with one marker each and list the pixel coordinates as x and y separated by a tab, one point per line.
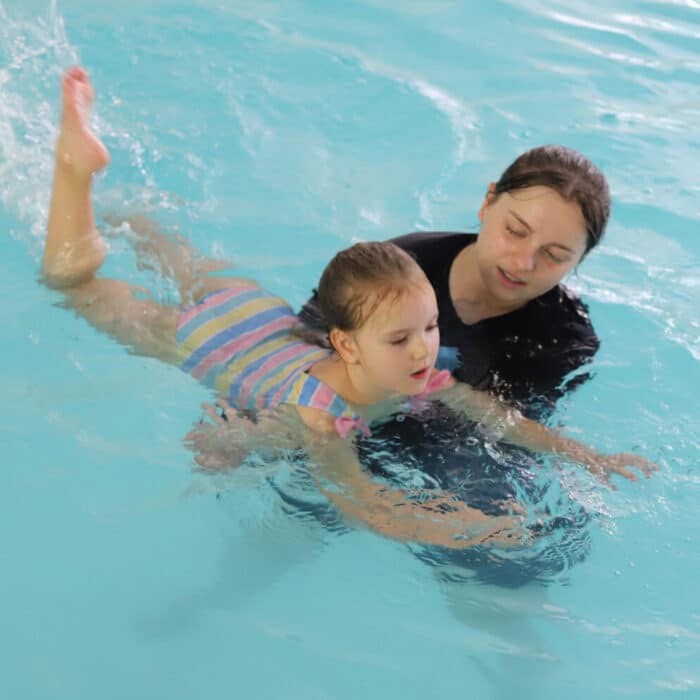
512	427
621	463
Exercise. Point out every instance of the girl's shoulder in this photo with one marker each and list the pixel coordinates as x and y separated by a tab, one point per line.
321	408
317	419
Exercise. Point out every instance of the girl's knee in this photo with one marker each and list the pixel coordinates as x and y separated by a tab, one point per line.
74	264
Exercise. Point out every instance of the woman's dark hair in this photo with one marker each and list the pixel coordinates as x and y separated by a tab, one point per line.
570	174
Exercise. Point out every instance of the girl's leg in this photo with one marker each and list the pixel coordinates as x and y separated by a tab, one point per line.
175	259
74	249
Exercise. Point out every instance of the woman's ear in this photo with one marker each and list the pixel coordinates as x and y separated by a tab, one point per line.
489	198
344	344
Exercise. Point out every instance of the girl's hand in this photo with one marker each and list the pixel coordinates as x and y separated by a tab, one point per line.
452	523
218	445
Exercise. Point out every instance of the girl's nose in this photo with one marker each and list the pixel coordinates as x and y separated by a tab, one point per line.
420	349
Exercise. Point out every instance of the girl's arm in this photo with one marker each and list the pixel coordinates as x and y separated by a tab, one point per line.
224	441
435	519
514	428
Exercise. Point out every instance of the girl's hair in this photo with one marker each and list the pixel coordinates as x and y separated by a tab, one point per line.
570	174
354	284
359	278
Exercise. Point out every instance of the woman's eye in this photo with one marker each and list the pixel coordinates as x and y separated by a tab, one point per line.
431	327
553	257
514	232
398	341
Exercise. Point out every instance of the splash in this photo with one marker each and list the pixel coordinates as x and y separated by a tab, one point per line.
34	52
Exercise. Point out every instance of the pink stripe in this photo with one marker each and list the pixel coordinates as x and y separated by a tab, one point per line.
239	344
271	363
322	397
212	302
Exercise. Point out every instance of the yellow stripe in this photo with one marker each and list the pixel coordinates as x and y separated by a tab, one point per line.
293	397
220	323
284	372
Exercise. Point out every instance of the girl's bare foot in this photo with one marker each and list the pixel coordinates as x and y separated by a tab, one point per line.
78	147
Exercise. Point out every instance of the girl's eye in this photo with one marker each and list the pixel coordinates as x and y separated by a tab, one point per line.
399	341
431	327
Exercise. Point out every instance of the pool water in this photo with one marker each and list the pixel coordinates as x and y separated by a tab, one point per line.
274	134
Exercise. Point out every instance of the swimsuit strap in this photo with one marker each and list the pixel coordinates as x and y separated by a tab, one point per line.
313	393
438	380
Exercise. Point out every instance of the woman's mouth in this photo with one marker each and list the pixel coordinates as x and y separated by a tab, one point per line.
509	280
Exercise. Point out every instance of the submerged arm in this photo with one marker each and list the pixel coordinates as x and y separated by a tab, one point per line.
514	428
437	519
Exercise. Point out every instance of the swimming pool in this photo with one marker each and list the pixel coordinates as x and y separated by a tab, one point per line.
274	134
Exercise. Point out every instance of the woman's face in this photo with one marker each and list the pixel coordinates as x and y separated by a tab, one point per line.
529	240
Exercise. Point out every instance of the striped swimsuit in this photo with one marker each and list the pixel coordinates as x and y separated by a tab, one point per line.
239	341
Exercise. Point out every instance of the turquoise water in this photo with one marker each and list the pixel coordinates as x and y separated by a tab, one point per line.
274	134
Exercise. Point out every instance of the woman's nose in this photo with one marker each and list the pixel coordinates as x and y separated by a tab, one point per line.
525	257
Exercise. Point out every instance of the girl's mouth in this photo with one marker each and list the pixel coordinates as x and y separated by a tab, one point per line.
420	374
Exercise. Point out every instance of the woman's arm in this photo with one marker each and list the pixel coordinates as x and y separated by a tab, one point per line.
511	426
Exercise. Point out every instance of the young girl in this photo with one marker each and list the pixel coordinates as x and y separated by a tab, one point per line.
237	338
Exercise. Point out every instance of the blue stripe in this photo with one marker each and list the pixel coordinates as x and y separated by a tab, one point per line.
310	384
267	399
297	360
338	407
219	368
254	366
248	324
206	315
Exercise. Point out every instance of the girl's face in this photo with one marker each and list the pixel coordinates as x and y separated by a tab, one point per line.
397	346
529	240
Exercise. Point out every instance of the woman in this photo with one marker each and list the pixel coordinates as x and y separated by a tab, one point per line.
507	325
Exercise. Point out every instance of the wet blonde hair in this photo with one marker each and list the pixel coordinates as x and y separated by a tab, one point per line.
356	281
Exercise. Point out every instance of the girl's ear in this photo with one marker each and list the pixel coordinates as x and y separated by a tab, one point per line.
344	344
488	199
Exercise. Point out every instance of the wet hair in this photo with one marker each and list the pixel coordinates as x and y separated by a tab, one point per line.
355	282
571	175
359	278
